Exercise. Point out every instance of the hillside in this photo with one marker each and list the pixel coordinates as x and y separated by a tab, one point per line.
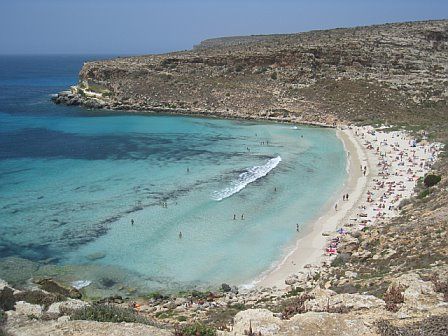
391	73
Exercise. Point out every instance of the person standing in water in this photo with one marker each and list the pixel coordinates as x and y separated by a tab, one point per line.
180	234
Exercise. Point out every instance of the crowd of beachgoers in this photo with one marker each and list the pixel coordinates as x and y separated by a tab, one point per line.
394	163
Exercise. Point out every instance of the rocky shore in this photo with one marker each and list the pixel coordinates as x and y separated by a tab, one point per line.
363	74
419	304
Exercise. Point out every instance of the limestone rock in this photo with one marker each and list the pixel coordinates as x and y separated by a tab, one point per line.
350	274
325	299
299	278
60	307
362	255
260	319
311	323
84	328
348	244
358	301
328	324
180	301
418	294
27	309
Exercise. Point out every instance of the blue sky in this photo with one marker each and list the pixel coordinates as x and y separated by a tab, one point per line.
156	26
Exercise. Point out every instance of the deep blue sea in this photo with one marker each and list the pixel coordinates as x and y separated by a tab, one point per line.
130	203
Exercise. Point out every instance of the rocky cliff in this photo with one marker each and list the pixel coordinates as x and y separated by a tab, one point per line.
365	74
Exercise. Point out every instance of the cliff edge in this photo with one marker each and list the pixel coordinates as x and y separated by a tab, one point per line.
365	74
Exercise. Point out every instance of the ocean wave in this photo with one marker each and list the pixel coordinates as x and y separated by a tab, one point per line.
81	283
249	176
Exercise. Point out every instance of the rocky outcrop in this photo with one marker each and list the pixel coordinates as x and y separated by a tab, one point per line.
385	72
311	323
63	327
53	286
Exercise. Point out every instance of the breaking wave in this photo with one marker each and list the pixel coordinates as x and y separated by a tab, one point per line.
249	176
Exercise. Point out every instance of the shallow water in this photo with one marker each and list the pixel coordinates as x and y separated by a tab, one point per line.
103	197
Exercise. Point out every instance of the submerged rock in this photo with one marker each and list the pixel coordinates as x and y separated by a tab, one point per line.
52	286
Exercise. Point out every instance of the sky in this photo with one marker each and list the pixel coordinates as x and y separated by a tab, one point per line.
136	27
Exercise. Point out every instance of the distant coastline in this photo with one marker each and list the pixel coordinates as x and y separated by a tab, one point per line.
72	98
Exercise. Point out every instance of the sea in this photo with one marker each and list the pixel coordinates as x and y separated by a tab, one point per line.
133	203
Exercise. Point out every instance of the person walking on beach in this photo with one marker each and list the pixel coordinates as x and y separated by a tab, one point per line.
297	228
336	207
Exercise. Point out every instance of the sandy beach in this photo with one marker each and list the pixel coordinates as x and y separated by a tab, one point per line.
383	169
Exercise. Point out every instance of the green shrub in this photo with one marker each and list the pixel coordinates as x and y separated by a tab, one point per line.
7	300
107	313
431	180
2	321
340	260
424	193
40	297
274	75
165	314
107	94
294	292
156	296
195	329
239	68
3	332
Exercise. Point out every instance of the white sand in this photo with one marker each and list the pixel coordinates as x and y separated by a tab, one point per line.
393	166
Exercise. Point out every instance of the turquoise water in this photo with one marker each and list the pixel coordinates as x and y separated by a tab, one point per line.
103	197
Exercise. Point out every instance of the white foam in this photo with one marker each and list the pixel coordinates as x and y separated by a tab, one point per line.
249	176
78	284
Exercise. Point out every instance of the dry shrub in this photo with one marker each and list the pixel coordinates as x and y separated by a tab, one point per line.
434	326
393	297
440	286
296	306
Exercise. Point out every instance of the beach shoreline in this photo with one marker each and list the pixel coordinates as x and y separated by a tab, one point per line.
310	243
374	157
